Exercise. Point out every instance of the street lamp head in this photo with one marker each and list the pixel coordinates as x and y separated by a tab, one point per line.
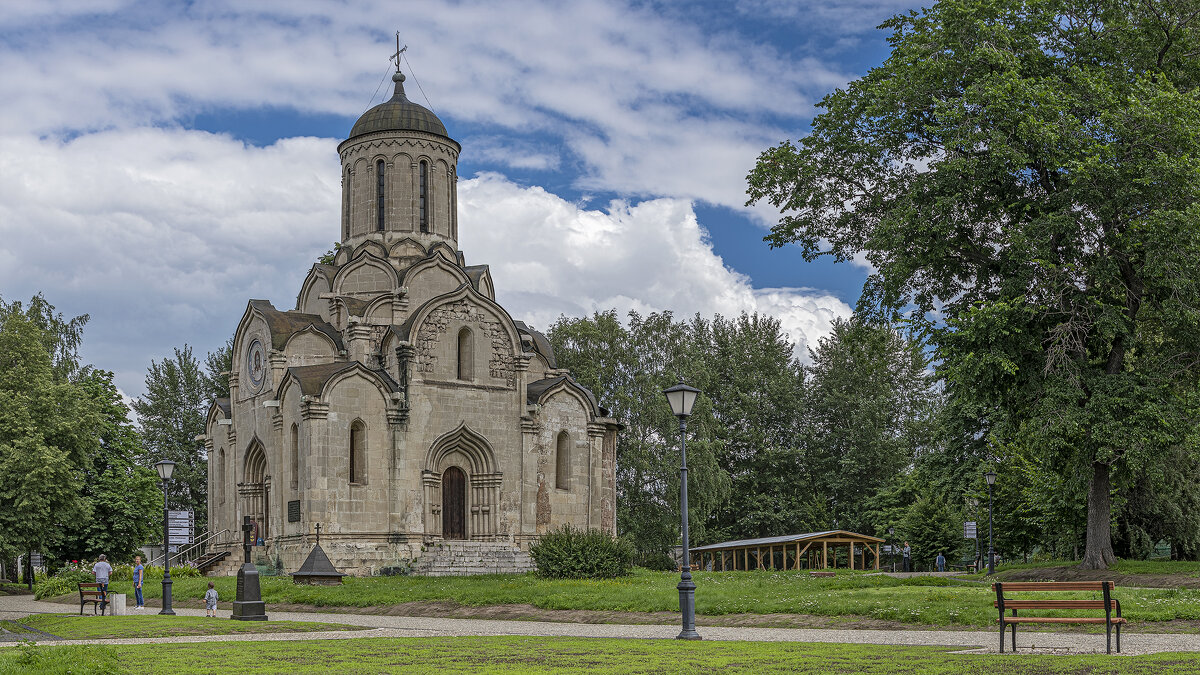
681	397
990	477
165	469
891	531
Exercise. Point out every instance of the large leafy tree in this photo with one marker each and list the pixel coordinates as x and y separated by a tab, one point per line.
757	392
870	411
68	482
124	500
1028	171
628	368
171	415
48	429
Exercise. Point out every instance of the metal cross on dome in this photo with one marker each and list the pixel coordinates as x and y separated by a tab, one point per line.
399	52
318	534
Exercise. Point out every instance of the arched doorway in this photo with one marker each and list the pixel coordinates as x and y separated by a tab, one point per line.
255	489
454	503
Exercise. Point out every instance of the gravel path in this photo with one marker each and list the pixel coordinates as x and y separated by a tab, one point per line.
15	607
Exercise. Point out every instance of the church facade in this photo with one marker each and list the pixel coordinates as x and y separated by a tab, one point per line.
398	405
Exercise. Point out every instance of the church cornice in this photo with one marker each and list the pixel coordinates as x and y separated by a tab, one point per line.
379	140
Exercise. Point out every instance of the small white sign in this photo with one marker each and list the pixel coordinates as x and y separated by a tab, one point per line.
969	530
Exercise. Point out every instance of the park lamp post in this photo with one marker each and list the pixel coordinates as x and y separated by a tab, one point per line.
990	477
892	543
165	469
682	397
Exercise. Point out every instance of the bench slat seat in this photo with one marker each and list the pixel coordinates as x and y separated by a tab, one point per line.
1108	605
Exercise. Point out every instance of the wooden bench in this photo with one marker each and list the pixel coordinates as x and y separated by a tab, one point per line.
90	592
822	574
1109	605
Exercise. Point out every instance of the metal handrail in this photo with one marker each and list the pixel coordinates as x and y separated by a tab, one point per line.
193	550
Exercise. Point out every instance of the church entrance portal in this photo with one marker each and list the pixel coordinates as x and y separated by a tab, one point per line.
454	503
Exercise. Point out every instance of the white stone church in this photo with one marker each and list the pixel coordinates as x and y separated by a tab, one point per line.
398	405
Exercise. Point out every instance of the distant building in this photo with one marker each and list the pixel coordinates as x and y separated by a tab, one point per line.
398	405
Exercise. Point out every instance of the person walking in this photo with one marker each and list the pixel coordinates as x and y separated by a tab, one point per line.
139	573
103	571
210	601
907	557
940	561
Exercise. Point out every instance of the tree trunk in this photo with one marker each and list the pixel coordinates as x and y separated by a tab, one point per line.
1098	552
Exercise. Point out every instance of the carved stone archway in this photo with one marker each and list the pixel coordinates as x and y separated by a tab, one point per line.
470	454
254	489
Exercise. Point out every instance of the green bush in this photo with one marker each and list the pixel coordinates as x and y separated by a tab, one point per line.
67	577
570	553
64	581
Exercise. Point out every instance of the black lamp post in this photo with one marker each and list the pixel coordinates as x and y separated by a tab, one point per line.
990	476
165	469
681	397
892	542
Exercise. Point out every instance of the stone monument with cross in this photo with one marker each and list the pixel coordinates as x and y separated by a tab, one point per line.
317	569
248	604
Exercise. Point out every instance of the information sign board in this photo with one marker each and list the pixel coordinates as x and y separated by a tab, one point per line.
969	530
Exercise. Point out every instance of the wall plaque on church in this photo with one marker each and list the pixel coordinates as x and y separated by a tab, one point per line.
294	511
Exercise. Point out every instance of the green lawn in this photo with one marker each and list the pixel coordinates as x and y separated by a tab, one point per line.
561	655
920	600
86	627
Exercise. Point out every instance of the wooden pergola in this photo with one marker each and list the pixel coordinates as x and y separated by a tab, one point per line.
817	550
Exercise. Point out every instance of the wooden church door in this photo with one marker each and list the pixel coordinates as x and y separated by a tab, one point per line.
454	503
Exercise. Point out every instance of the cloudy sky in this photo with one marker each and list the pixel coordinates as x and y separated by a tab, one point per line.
163	162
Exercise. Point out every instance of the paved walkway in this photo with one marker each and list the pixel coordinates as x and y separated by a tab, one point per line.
15	607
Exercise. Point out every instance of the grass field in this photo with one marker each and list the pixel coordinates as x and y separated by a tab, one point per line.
562	655
75	627
921	600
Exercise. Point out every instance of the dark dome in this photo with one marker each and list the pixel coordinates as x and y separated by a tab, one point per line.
398	114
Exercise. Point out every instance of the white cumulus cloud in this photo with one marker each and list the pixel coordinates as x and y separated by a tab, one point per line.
551	257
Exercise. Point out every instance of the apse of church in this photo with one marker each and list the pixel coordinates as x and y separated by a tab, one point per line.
398	404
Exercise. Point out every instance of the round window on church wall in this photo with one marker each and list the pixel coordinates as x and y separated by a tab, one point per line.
256	364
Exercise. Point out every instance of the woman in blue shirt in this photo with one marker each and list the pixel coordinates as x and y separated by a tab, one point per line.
138	573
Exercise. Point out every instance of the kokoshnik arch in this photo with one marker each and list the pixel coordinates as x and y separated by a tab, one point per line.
398	405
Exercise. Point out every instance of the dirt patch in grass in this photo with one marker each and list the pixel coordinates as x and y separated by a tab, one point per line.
453	610
1073	573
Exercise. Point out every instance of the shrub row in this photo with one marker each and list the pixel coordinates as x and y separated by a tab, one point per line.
571	553
67	577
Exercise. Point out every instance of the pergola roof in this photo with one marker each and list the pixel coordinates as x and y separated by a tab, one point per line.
789	538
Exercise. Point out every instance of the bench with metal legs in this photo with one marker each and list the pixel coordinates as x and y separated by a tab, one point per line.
1112	608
